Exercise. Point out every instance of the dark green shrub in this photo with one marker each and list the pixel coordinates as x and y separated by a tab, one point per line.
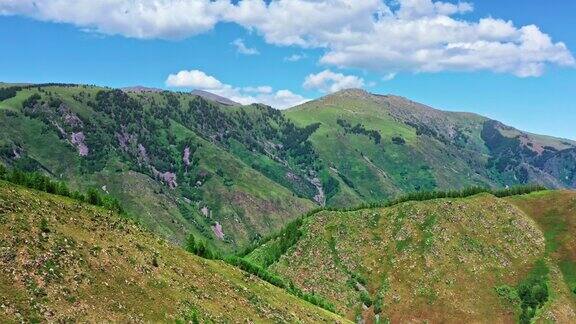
44	225
398	140
200	248
365	298
93	197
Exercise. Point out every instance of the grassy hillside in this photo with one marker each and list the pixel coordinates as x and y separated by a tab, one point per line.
472	259
63	261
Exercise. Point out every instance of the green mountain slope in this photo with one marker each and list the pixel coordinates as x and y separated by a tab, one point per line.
63	261
377	146
178	163
476	259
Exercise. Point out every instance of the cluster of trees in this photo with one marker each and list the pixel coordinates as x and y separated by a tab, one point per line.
508	153
280	282
530	294
31	101
201	248
359	129
124	114
279	243
331	186
38	181
8	92
533	292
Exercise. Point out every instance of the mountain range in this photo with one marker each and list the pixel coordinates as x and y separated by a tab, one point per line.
197	163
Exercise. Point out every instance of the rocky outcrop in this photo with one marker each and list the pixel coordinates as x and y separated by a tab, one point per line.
78	140
218	231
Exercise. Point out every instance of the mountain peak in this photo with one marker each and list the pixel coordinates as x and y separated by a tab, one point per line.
351	92
214	97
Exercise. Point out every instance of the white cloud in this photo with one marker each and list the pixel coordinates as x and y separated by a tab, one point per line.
328	81
415	36
295	57
195	79
241	48
414	9
167	19
412	35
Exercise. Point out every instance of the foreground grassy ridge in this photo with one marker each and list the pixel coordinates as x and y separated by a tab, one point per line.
439	260
65	261
267	250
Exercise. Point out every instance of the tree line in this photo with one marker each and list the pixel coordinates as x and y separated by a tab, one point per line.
40	182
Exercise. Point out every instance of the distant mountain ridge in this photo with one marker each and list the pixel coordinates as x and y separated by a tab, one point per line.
141	89
214	97
201	93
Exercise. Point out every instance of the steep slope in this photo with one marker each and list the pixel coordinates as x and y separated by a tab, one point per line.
477	259
172	159
67	262
377	146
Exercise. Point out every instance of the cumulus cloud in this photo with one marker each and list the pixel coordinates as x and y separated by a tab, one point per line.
410	35
193	79
417	36
328	81
241	48
166	19
196	79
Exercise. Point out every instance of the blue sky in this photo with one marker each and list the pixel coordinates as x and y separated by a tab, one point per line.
494	69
